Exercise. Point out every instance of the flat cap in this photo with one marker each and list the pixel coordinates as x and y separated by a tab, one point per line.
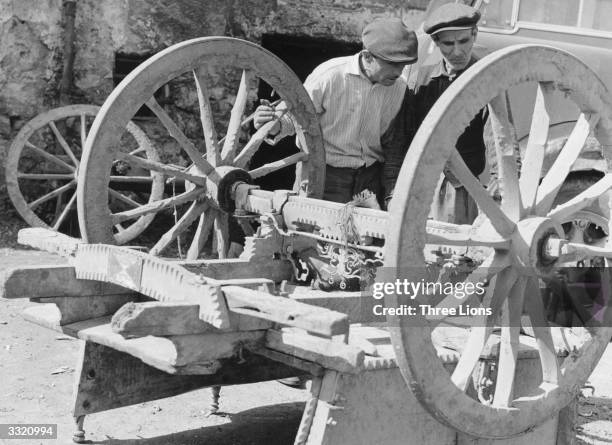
451	17
390	40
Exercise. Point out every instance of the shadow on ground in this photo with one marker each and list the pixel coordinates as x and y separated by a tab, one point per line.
272	424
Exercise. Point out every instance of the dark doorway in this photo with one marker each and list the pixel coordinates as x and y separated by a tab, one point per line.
302	55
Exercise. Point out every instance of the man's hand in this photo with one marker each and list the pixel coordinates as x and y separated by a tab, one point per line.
265	113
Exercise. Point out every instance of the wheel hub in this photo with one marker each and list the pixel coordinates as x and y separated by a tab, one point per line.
529	240
219	185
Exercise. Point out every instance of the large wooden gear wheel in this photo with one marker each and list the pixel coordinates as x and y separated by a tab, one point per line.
205	70
528	225
43	165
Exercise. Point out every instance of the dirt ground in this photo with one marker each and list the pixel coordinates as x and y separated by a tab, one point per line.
37	372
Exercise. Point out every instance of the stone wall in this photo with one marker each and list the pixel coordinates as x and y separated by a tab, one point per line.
32	34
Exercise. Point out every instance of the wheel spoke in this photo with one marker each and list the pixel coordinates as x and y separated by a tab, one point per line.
51	195
162	168
544	340
256	140
132	179
126	199
499	220
277	165
173	130
558	172
233	129
536	146
50	157
497	292
222	234
206	118
564	211
63	143
509	345
83	130
506	152
205	225
196	210
45	176
62	216
156	206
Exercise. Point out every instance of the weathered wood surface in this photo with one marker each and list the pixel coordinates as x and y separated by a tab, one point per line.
285	311
51	281
109	379
328	354
357	306
72	309
275	270
290	360
164	319
153	277
248	309
49	240
181	354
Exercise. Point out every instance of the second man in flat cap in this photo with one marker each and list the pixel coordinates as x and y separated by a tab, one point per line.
453	29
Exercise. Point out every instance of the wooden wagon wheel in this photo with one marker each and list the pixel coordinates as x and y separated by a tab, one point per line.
527	223
206	164
43	164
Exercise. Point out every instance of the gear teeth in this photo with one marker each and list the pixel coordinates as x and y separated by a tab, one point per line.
153	277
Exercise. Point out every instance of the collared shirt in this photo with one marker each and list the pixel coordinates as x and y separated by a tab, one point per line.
431	82
353	112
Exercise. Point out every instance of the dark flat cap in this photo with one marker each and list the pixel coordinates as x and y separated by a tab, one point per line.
451	17
390	40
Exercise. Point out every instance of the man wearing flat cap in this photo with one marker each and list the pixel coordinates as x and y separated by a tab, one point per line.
355	98
453	29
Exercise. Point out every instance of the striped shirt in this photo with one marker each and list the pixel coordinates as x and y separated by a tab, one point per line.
353	111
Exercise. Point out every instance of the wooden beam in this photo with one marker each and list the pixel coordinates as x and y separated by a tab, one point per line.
173	318
358	307
72	310
275	270
51	281
329	354
49	241
285	311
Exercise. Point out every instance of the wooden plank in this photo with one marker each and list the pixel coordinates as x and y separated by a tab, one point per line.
49	241
290	360
51	281
122	380
357	306
175	354
173	318
329	354
285	311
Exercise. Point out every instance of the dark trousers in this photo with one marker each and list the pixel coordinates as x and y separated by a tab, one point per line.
341	184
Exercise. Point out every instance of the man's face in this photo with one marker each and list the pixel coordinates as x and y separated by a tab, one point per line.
383	72
456	47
